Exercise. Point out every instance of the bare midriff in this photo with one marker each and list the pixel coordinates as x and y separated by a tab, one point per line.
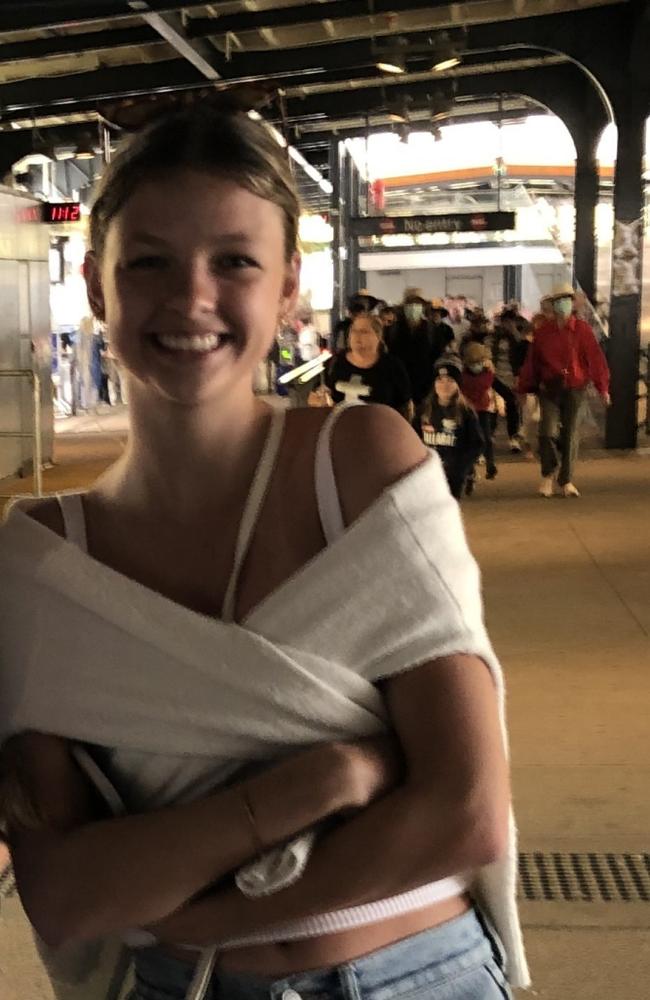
284	958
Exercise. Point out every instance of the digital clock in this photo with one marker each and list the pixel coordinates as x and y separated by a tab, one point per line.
64	211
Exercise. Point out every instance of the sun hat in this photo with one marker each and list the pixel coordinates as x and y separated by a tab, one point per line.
475	353
563	291
437	305
414	295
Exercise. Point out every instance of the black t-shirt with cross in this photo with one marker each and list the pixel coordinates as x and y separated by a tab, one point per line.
385	382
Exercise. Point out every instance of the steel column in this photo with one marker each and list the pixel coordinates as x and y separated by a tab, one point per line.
586	200
625	310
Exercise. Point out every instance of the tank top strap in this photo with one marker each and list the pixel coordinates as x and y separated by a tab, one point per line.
74	519
253	508
327	493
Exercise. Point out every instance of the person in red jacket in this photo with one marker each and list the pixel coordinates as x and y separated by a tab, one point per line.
563	360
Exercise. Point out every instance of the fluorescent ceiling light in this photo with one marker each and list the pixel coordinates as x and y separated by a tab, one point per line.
449	63
310	170
391	64
297	157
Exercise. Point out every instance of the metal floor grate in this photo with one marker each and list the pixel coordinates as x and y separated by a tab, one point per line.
586	878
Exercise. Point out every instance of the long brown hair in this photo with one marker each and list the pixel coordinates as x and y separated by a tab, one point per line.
460	406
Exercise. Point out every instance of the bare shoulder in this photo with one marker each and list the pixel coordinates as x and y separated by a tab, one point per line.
46	511
372	448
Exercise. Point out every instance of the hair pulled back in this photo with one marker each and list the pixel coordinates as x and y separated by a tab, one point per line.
375	324
227	144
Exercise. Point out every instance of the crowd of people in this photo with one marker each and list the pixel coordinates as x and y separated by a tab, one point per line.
453	373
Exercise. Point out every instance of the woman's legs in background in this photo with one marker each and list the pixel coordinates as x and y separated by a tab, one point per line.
485	420
513	413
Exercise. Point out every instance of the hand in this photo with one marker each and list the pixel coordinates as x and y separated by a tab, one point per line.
375	766
607	399
320	397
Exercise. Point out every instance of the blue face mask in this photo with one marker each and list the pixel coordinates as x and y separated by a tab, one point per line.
563	307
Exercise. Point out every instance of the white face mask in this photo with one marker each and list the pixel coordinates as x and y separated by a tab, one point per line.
476	369
413	311
563	307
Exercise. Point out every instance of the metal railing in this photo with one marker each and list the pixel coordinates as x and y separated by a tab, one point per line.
35	433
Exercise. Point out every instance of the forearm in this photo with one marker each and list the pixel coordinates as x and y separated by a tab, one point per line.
104	876
397	844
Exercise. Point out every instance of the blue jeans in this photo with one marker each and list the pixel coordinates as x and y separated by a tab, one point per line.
459	960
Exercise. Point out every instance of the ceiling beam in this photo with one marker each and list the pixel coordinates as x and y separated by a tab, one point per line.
203	56
307	90
89	88
566	92
335	53
62	45
84	91
310	13
348	130
411	17
51	14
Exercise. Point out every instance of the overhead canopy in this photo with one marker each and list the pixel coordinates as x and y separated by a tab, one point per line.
311	68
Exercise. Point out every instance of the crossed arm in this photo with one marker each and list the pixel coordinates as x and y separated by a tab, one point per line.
449	815
81	877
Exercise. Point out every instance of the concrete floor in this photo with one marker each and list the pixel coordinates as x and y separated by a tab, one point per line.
567	590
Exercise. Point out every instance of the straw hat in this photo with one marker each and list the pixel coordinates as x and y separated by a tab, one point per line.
563	291
437	305
475	353
414	295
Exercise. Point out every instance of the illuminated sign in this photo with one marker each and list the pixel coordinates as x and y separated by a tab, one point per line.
64	211
50	212
461	222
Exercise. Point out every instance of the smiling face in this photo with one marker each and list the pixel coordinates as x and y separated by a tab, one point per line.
191	284
446	388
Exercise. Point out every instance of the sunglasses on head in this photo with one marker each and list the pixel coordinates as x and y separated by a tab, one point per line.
130	114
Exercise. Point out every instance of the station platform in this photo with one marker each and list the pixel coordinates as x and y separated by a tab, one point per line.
567	592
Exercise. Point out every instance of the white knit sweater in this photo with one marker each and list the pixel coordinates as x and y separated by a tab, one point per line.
306	660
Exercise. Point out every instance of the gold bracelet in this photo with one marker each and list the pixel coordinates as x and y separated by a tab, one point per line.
250	816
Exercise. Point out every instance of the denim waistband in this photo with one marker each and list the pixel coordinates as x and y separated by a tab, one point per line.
415	963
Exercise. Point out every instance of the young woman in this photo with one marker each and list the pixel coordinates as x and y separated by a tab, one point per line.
451	427
366	372
194	620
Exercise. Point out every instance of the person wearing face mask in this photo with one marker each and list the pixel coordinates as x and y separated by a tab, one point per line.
441	332
477	385
411	340
563	360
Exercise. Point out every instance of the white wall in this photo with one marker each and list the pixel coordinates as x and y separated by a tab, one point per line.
538	280
438	282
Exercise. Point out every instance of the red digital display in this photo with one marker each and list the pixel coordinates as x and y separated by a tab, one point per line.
65	211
